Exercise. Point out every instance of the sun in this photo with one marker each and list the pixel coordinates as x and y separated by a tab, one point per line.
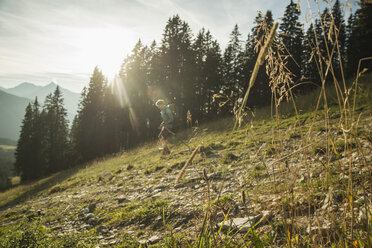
104	47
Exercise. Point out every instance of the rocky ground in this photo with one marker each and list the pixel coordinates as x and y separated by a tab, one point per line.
276	184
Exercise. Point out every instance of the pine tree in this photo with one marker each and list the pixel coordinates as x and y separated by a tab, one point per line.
260	92
29	153
206	73
233	68
177	64
311	72
292	36
136	77
56	132
359	38
339	33
352	49
88	135
213	74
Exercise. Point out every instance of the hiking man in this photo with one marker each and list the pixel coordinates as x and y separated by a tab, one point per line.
167	117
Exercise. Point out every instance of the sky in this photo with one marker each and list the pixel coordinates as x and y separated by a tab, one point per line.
63	40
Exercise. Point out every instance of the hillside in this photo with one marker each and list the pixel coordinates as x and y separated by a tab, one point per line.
30	91
274	183
25	89
12	110
14	101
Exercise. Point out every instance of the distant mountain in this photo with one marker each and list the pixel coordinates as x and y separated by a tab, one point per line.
9	142
27	90
13	102
30	91
12	110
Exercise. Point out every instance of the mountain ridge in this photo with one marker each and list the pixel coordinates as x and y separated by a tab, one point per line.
23	94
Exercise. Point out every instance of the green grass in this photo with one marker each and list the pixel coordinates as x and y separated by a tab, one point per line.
8	147
248	151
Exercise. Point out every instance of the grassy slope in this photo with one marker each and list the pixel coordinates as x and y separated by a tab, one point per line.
134	195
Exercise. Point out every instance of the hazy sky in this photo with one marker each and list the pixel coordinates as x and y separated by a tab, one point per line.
63	40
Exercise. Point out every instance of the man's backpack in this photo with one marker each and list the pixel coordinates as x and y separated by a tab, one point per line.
173	108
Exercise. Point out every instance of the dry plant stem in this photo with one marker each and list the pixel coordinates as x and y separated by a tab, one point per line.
356	84
187	164
350	181
208	187
259	62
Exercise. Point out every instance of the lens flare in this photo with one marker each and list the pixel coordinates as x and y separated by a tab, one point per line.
118	90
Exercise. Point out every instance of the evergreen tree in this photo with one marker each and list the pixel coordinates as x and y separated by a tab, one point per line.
352	49
292	36
311	72
233	68
136	77
359	38
206	73
260	92
56	132
88	135
29	153
177	64
339	33
114	118
213	76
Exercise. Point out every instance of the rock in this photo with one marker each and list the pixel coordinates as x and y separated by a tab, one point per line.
92	221
83	212
89	216
177	186
240	224
145	242
266	216
85	227
102	229
322	230
113	242
154	239
122	199
56	228
160	188
215	175
156	195
362	217
142	242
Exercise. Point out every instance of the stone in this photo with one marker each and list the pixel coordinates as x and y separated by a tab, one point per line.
323	229
56	228
240	224
154	239
89	216
362	217
156	195
266	216
102	229
92	221
122	199
142	242
83	212
85	227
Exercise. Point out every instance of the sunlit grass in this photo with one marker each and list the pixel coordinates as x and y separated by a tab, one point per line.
7	147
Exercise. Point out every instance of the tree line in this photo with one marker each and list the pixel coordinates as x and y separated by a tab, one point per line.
191	72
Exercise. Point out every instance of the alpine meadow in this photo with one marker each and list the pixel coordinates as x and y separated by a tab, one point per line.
262	141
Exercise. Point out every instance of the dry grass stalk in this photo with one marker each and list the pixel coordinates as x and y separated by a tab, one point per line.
187	164
205	175
259	62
